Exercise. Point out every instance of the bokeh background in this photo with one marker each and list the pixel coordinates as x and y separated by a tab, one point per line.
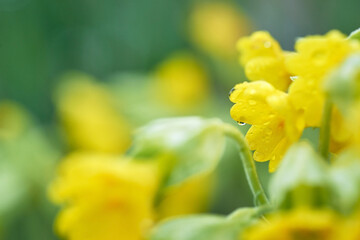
63	62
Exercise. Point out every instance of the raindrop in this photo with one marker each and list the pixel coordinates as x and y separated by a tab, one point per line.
241	123
267	44
252	102
293	78
231	91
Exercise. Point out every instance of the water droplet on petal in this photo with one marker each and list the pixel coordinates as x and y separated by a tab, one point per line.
267	44
268	132
252	102
252	91
231	91
293	78
241	123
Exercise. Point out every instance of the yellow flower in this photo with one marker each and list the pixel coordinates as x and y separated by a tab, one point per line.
275	123
89	116
349	228
181	81
104	197
215	27
190	196
263	59
342	133
315	58
302	223
13	120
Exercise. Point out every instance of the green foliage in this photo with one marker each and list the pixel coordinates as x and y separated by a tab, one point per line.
345	179
355	34
196	144
302	178
206	227
27	163
343	86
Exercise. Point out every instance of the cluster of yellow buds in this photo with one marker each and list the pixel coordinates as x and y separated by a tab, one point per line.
287	91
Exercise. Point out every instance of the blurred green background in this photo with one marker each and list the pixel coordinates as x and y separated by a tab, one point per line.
41	39
122	43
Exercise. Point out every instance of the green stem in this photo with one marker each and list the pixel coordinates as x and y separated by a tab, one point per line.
324	141
248	163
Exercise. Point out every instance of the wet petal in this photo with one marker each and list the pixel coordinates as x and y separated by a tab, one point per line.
258	44
278	154
304	96
251	112
264	138
268	69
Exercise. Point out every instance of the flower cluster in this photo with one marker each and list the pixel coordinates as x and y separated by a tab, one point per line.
169	168
286	92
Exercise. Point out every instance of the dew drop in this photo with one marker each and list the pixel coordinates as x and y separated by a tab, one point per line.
252	102
293	78
252	91
241	123
231	91
267	44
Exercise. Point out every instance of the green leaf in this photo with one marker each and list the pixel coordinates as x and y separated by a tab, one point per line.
196	144
206	227
355	34
343	86
345	180
13	189
302	178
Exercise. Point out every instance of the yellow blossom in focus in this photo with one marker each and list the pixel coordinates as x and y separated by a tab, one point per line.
263	59
275	122
216	26
181	81
315	58
104	197
302	223
89	117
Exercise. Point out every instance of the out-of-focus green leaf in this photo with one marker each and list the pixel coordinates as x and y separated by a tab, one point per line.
27	162
197	144
302	178
343	86
345	179
205	227
13	189
355	34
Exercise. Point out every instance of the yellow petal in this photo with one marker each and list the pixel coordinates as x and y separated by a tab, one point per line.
264	138
304	96
251	112
279	153
251	105
258	44
269	69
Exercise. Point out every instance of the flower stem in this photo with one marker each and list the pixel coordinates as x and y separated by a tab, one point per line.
248	163
324	141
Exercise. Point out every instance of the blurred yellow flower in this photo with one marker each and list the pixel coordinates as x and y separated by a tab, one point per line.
263	59
13	120
315	58
188	197
349	228
181	81
215	27
302	223
89	117
104	197
342	133
275	123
